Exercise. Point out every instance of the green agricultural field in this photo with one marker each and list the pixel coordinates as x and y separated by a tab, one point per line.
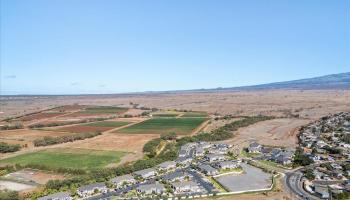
195	114
108	124
180	126
67	158
103	110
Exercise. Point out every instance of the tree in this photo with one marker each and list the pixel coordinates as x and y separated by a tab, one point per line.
301	159
6	148
168	136
309	174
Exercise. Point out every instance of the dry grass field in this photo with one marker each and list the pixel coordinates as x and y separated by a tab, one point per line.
307	103
214	124
114	142
277	132
26	136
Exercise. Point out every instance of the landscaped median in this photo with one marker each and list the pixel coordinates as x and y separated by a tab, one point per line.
237	170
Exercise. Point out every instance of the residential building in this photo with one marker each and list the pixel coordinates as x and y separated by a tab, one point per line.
227	164
199	151
185	186
155	188
182	153
88	190
254	148
146	173
168	165
207	169
184	161
322	191
176	176
119	181
214	157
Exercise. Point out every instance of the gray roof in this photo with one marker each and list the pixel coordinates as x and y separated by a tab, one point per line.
167	164
321	189
254	145
214	156
59	195
91	186
174	175
120	179
149	187
183	159
182	152
145	171
207	168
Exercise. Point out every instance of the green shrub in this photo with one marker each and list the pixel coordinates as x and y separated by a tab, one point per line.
46	141
6	148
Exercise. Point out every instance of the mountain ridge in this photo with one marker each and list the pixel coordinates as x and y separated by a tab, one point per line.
332	81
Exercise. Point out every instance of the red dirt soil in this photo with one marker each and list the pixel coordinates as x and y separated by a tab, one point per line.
39	116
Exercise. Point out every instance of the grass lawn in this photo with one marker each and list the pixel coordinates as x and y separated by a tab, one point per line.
180	126
273	164
103	110
195	114
249	155
67	158
217	185
108	124
236	170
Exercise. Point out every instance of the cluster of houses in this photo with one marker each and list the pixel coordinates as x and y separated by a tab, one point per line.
323	142
278	155
175	177
329	180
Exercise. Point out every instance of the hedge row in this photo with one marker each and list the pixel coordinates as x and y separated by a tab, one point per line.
63	139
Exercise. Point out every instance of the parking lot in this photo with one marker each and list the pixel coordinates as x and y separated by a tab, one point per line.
253	179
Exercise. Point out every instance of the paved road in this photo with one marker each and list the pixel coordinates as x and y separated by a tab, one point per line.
293	183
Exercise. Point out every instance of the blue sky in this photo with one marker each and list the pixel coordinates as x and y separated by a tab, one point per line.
101	46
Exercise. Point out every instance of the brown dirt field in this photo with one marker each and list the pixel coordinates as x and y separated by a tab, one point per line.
56	120
116	142
277	132
134	112
88	115
27	135
84	129
39	116
134	119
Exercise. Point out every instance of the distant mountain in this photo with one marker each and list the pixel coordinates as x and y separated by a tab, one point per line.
334	81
